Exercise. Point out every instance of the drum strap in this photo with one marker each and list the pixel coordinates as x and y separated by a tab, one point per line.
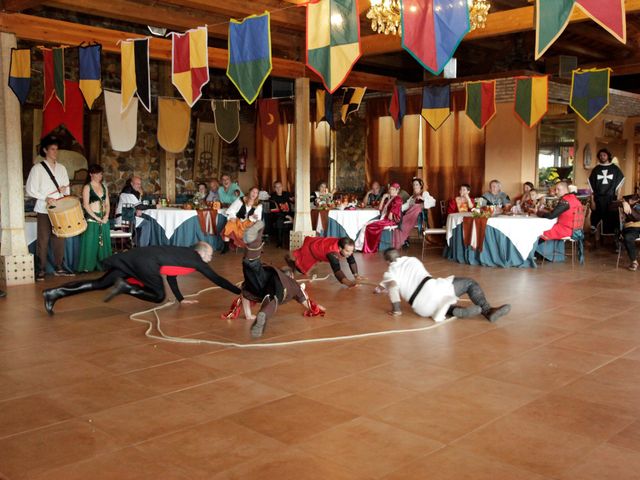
53	179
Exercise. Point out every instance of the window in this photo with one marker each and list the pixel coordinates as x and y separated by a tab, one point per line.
556	149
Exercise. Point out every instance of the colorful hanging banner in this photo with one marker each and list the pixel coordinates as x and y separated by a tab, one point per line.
249	62
58	74
269	113
531	99
190	63
226	114
398	106
20	73
552	17
174	123
590	92
135	72
324	108
432	30
123	126
47	66
333	40
436	105
90	73
71	115
351	101
481	102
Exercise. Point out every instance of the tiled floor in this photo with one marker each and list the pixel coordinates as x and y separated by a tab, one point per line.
550	392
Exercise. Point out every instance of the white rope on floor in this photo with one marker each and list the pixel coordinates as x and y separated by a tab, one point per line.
151	325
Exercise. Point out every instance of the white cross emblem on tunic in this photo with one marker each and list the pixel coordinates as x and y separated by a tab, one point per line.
604	177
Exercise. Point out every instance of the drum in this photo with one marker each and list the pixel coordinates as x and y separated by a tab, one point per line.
66	217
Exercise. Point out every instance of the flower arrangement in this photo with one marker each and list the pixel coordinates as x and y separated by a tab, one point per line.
483	212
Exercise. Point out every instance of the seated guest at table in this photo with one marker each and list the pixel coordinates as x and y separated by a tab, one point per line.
495	196
138	272
390	215
569	212
631	230
267	285
229	191
419	196
325	249
132	196
526	189
373	197
531	202
95	243
202	193
48	181
463	202
322	197
407	279
241	214
281	211
213	195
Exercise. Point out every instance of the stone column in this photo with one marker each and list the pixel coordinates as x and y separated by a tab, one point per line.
302	223
16	264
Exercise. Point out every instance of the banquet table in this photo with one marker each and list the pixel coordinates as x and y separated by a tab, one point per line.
179	227
509	240
344	223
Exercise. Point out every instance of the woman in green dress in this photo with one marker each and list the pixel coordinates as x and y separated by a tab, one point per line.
95	244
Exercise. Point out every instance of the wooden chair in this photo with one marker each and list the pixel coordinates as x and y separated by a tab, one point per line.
427	232
122	235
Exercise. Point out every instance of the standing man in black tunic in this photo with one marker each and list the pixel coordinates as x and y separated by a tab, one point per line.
606	180
146	265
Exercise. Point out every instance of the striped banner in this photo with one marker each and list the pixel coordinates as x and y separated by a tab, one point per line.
481	102
531	99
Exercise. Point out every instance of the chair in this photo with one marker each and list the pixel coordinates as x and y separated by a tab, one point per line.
122	235
576	240
620	237
435	231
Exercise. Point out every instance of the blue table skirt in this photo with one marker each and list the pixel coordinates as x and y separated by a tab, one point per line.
71	254
497	251
187	234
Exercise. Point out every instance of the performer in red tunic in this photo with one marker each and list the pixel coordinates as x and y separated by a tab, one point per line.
390	215
326	249
569	212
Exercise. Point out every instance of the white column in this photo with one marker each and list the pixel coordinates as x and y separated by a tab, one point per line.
16	264
302	224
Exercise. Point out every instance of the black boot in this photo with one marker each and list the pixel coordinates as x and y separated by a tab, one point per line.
466	312
494	314
52	295
3	293
225	248
123	287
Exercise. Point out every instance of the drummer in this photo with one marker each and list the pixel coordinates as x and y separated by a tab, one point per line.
48	181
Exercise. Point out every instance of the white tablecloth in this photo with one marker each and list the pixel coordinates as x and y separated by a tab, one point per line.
353	220
170	218
521	230
30	230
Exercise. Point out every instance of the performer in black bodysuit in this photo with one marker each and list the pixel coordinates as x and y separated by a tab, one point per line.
269	285
145	266
605	181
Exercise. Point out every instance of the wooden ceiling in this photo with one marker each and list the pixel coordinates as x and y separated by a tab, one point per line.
507	43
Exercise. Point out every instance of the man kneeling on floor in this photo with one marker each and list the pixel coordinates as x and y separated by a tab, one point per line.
407	278
266	284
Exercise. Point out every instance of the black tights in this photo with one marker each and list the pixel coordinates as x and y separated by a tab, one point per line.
462	285
629	236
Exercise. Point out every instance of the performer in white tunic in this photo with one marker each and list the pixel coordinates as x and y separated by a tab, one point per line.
407	279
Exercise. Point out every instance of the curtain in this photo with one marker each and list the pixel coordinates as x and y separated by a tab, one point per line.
454	154
271	156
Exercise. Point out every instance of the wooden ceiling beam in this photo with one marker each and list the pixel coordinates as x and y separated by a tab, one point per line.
58	32
499	23
20	5
291	18
172	18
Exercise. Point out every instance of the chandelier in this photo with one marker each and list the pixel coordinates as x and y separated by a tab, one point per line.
478	13
385	15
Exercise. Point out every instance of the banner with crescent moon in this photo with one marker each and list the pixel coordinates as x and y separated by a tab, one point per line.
226	114
268	112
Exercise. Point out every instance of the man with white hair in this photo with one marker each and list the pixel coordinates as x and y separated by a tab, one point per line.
407	279
130	206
